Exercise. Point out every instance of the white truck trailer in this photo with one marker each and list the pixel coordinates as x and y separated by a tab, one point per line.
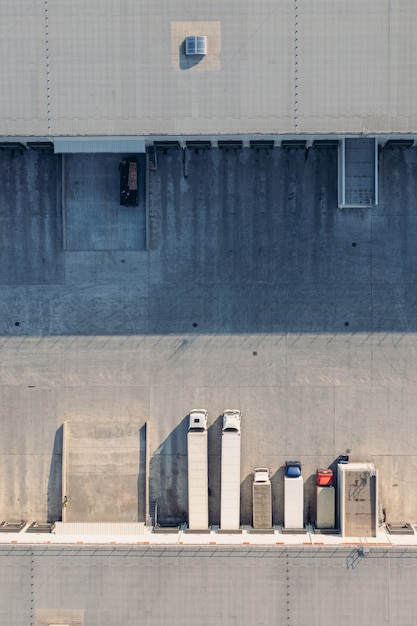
293	496
197	470
262	505
230	471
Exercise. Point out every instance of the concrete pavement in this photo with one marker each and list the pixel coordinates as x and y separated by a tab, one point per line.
255	292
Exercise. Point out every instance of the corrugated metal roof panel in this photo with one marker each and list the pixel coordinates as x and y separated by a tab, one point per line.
69	145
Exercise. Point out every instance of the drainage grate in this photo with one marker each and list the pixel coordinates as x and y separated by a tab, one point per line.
39	527
400	528
12	527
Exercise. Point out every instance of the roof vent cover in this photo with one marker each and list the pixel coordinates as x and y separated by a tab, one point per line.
196	45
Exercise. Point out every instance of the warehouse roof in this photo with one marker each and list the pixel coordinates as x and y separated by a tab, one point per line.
99	67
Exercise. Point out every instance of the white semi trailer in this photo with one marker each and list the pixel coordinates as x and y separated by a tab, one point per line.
197	471
293	496
262	505
230	471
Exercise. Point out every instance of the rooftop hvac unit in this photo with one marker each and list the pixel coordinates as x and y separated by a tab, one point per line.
196	45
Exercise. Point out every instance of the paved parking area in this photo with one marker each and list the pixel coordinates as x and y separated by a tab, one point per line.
256	292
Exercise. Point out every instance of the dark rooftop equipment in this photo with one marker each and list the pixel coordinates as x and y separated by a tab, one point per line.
293	143
399	143
198	144
262	143
40	145
12	145
325	143
230	143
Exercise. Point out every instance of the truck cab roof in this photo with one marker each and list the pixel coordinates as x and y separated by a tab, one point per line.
261	475
198	419
292	469
231	420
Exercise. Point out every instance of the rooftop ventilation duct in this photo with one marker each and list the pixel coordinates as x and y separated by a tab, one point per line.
196	45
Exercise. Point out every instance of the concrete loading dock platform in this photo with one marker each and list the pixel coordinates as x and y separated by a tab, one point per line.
255	291
104	472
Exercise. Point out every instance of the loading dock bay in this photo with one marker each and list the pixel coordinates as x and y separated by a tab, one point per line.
254	291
